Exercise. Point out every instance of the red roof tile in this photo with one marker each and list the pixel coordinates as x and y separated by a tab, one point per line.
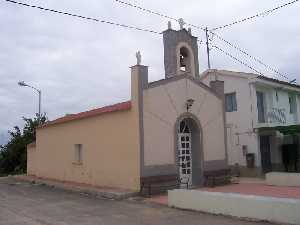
94	112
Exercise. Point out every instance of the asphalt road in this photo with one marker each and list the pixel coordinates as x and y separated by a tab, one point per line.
23	203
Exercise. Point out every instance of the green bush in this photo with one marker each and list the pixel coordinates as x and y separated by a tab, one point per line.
13	155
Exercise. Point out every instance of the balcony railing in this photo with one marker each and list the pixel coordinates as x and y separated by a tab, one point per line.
276	115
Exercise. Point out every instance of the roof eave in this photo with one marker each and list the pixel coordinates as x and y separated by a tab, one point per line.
127	106
277	84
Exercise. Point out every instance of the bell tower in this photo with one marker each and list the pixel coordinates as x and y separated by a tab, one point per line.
180	51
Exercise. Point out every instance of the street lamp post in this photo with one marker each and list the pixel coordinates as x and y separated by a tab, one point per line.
23	84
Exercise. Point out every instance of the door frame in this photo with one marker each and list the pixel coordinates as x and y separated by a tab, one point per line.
266	162
198	171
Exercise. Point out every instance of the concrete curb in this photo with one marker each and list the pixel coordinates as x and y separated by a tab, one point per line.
278	210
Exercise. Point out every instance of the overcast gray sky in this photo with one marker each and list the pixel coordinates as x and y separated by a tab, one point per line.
80	65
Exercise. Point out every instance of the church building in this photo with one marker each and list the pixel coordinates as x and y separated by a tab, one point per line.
173	126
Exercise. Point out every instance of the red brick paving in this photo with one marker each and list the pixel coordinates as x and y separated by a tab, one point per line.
159	199
258	189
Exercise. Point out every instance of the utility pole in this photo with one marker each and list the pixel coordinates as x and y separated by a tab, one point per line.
207	48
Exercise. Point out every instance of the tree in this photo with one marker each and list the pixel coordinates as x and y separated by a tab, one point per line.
13	155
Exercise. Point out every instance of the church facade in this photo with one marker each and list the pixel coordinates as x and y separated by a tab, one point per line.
174	126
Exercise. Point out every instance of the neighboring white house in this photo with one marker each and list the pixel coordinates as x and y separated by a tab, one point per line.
257	107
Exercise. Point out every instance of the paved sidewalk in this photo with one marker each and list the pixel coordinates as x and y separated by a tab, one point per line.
23	203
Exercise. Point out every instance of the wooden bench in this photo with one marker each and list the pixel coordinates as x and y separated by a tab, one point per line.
215	176
161	183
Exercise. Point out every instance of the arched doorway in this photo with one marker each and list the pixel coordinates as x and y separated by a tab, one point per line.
189	152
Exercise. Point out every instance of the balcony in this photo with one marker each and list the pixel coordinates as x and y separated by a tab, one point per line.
276	115
272	117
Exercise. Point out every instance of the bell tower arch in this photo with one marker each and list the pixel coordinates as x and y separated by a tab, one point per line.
180	52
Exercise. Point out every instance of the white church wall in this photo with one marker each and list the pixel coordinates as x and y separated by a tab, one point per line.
208	108
161	109
164	104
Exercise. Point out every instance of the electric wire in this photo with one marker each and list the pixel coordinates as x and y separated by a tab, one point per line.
146	10
151	31
237	60
84	17
264	13
211	32
250	56
156	13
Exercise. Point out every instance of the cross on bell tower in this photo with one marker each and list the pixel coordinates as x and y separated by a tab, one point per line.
180	51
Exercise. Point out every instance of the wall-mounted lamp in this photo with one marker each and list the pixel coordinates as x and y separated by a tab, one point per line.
189	103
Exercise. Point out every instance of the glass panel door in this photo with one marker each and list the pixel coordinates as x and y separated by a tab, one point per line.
260	107
185	153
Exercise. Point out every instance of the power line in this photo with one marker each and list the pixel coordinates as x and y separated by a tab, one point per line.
264	13
99	20
84	17
138	28
250	56
213	33
170	18
146	10
156	13
238	60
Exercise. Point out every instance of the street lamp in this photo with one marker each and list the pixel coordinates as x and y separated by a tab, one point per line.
23	84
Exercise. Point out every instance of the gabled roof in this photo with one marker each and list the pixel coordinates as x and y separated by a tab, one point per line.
91	113
186	75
